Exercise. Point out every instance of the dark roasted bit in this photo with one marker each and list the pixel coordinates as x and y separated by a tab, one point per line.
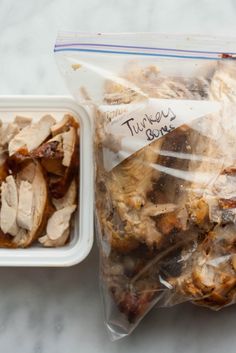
31	136
3	171
132	283
6	241
60	156
59	184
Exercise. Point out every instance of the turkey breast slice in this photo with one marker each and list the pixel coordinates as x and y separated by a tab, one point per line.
8	212
32	135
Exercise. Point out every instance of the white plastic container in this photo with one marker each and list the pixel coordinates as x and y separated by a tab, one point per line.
81	239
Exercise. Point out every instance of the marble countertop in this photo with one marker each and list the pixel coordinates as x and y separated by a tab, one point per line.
59	310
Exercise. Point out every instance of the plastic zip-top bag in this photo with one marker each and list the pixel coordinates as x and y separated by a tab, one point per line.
164	116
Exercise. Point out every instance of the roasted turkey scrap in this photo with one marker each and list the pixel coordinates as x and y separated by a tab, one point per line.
167	214
39	169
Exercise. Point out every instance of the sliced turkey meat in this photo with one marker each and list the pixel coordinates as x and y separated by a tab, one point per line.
60	146
9	205
26	205
64	125
22	121
31	136
31	162
8	132
68	146
58	226
59	222
47	242
59	156
69	198
36	214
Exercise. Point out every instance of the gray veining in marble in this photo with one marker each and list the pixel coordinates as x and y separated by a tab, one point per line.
59	310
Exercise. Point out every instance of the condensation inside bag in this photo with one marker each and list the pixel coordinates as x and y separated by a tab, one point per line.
166	207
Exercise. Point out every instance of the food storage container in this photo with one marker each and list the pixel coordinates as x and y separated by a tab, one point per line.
81	237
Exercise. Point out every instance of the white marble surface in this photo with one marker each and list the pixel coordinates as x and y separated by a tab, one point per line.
59	310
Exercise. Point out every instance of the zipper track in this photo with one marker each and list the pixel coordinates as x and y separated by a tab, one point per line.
142	51
89	45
